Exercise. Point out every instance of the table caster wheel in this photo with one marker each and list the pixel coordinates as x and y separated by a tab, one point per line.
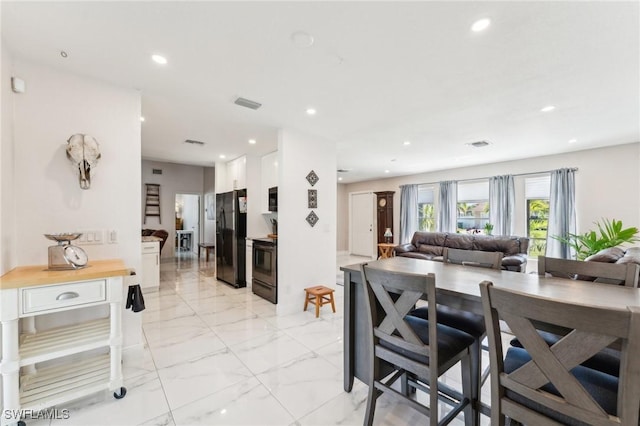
123	392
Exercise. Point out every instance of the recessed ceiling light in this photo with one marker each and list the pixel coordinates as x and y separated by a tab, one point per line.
142	118
252	141
548	108
386	171
340	178
159	59
311	111
301	39
406	143
573	140
481	25
223	156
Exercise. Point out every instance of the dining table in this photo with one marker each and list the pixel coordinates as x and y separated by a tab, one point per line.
458	286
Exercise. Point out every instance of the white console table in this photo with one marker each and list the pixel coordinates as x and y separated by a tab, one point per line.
26	292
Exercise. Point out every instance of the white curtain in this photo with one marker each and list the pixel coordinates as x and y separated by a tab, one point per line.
408	212
447	211
562	213
502	196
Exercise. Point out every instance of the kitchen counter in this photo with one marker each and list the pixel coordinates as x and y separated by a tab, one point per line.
151	239
28	276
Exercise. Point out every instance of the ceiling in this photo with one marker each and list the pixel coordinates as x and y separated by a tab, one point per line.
378	74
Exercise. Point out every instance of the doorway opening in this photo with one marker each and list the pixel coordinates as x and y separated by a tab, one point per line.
187	225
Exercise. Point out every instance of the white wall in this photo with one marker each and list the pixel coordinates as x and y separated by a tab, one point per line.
47	194
607	184
7	197
306	255
342	213
175	179
209	190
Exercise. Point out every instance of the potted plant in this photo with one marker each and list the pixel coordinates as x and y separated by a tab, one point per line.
609	234
488	228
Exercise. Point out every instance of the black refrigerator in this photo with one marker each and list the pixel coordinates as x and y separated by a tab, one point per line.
231	234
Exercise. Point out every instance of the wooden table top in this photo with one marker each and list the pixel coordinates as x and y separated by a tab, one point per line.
463	282
27	276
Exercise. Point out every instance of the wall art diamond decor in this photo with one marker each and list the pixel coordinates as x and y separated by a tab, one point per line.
312	218
312	198
313	178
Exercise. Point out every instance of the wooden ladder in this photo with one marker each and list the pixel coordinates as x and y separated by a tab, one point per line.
152	202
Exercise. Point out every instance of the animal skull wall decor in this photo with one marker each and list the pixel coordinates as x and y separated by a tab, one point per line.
84	152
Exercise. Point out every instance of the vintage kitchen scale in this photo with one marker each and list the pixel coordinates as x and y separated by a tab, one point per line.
65	256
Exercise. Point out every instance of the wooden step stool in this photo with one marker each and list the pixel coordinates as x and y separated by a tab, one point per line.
318	296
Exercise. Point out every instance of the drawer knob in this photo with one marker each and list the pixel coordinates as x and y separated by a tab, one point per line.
67	295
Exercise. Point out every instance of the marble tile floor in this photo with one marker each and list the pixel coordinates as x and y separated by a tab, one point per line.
216	355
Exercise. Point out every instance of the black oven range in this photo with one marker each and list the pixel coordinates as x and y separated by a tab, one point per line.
265	269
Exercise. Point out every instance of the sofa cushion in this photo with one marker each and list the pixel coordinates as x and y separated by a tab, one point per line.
514	260
429	238
632	251
608	255
459	241
508	246
416	255
431	250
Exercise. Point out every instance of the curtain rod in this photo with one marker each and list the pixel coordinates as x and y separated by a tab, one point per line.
575	169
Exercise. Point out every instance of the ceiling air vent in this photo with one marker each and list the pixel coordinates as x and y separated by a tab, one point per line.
191	141
157	171
247	103
343	170
479	144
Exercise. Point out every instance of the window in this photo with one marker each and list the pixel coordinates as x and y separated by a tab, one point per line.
537	195
426	210
473	207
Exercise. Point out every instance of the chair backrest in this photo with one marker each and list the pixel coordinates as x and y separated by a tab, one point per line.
396	294
484	259
161	233
592	330
600	272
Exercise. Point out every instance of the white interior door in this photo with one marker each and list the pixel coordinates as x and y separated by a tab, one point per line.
362	225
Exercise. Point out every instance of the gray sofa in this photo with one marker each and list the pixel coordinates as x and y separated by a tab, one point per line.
430	245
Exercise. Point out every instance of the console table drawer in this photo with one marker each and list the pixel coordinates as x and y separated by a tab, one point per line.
62	296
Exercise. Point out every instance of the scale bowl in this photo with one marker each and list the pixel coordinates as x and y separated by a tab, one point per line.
64	236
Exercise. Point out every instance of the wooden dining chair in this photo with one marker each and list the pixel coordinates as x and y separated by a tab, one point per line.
468	322
600	272
607	360
485	259
423	349
542	385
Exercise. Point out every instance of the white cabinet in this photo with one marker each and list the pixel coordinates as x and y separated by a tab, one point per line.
269	178
27	292
150	265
